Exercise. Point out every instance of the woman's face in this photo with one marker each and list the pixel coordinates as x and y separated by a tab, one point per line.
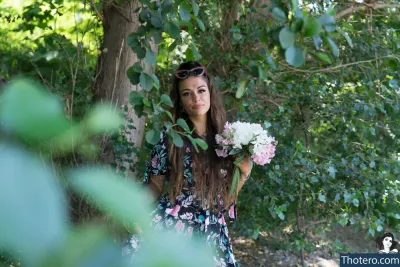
195	96
387	242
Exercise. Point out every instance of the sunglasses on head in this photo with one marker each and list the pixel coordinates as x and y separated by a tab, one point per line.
183	74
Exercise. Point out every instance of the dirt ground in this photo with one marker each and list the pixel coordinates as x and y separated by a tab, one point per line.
261	253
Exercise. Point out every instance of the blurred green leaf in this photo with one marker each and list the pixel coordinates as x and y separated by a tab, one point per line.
103	118
31	113
88	245
323	57
32	203
133	76
201	143
177	252
311	27
332	45
111	194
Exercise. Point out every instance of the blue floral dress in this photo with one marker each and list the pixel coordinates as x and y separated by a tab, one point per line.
187	217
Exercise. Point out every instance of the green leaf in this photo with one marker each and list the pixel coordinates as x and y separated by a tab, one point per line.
140	51
133	40
237	36
332	45
111	193
241	87
235	179
278	14
133	76
146	102
176	138
323	57
146	81
135	98
30	112
311	27
195	7
348	39
200	23
297	25
193	142
152	137
150	57
189	55
172	29
155	80
84	246
166	100
321	198
295	56
201	143
355	202
166	6
181	122
184	11
169	114
286	37
327	19
103	118
31	203
137	67
271	62
332	171
156	20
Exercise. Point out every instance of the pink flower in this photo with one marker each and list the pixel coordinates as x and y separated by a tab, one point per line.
190	231
179	226
187	149
174	211
221	153
261	159
218	138
154	162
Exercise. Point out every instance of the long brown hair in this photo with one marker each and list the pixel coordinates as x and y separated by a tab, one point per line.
208	182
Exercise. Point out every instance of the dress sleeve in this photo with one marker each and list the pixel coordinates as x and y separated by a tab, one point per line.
159	164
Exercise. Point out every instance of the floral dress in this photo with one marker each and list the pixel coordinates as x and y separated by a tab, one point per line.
186	217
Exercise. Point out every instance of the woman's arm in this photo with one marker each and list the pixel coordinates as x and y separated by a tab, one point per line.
156	185
245	167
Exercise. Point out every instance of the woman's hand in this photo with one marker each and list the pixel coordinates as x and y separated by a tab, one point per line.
245	165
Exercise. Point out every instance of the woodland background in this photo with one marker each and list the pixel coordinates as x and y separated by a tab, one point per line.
321	76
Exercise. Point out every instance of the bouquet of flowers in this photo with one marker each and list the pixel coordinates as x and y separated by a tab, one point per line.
239	138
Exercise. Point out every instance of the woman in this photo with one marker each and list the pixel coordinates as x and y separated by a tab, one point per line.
198	197
386	244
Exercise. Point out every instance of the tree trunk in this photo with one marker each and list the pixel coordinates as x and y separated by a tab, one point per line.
112	83
113	86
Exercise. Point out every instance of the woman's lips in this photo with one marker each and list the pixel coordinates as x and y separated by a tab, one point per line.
198	106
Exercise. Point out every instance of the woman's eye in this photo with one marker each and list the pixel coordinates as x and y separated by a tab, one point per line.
202	91
185	94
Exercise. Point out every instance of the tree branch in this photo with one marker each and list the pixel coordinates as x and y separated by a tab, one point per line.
335	67
93	5
354	9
